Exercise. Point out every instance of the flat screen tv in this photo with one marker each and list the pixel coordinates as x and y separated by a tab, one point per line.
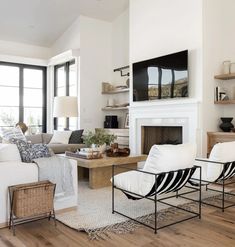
161	78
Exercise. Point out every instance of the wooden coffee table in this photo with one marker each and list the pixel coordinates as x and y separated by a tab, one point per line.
100	170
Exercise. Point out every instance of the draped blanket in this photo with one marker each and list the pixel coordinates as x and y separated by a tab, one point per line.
58	170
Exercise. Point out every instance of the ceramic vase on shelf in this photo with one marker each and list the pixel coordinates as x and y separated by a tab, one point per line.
226	124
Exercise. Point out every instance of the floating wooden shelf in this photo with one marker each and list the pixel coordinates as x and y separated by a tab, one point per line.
225	76
117	91
225	102
114	108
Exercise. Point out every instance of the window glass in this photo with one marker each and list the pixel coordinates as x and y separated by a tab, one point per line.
9	96
9	116
9	75
33	78
32	97
21	95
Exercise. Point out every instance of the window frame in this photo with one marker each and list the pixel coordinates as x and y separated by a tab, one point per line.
66	66
21	90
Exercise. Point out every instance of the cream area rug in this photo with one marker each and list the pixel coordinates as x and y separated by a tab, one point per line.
94	211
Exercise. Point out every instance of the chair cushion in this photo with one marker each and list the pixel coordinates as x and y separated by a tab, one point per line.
164	158
9	152
34	139
161	158
221	152
61	137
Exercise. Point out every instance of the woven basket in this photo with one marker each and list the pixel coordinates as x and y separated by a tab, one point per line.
33	199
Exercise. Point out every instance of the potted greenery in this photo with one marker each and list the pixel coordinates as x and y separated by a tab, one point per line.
98	139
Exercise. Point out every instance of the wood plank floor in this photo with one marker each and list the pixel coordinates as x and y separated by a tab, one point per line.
215	229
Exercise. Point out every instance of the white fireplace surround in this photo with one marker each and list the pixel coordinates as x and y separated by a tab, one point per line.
184	114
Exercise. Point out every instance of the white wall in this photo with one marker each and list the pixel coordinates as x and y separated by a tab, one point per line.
120	58
24	50
103	46
95	67
70	39
218	45
160	27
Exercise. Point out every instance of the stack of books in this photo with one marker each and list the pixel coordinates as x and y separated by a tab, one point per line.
85	153
89	153
220	94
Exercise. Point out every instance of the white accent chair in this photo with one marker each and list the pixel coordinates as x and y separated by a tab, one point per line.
218	169
168	168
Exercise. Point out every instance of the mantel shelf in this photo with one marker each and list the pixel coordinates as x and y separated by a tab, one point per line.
117	91
225	76
225	102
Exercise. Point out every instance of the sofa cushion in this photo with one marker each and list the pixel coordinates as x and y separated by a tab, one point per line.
34	138
61	148
29	152
76	137
16	132
46	138
9	152
61	137
164	158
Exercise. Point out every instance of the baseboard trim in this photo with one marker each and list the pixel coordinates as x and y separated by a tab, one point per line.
60	211
65	210
2	225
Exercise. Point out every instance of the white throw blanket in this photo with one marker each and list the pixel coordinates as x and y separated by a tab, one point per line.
58	170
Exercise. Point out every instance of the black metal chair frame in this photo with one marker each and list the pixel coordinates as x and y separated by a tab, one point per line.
221	182
154	198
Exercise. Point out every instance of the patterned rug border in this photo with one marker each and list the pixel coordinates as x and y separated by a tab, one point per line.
130	226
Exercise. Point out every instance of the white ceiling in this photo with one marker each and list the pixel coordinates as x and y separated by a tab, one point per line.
42	22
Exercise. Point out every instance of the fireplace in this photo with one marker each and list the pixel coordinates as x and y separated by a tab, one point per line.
160	135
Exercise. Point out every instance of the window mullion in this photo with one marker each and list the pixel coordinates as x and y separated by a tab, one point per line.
67	88
21	94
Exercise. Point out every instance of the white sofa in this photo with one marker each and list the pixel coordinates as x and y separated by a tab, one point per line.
13	171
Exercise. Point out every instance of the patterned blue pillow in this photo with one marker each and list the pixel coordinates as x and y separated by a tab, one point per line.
29	152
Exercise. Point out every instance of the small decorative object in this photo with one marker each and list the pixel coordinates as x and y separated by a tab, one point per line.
22	126
226	67
110	102
99	138
127	121
220	94
226	124
114	151
107	87
231	68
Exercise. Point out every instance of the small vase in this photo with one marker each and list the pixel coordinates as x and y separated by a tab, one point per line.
226	124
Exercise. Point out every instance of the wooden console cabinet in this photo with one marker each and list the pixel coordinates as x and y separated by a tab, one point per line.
216	137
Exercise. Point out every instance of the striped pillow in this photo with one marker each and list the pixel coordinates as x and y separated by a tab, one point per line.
16	133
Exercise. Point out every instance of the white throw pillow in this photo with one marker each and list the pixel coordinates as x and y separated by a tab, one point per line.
164	158
221	152
9	152
16	132
61	137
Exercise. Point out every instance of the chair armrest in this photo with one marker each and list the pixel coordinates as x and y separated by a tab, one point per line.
150	173
211	161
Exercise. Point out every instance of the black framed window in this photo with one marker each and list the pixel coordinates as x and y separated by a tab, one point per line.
23	96
65	84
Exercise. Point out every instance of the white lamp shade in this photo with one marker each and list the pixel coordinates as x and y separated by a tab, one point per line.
65	106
